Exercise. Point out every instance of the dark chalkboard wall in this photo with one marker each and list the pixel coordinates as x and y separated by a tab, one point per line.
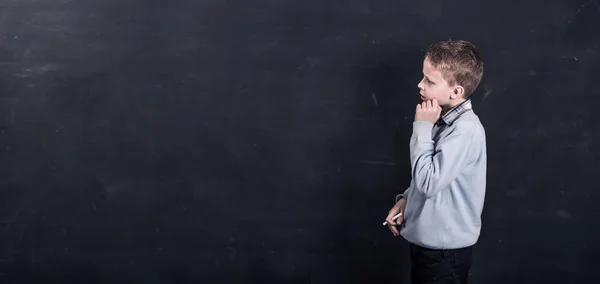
264	141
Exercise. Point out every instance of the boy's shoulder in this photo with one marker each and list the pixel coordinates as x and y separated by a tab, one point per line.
468	124
469	119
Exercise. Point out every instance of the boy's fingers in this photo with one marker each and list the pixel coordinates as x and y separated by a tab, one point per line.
394	230
389	218
393	223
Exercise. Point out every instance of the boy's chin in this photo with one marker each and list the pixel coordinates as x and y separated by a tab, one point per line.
424	99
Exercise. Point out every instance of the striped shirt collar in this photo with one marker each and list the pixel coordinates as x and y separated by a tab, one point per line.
450	116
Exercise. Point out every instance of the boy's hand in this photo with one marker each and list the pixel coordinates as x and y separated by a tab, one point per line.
398	207
428	111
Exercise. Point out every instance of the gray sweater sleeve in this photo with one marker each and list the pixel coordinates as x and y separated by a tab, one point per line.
402	195
435	165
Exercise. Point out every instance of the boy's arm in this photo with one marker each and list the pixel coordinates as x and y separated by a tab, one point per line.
435	166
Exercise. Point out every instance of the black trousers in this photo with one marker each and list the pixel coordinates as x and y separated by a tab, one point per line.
429	266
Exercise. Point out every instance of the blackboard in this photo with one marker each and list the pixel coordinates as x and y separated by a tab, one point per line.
264	141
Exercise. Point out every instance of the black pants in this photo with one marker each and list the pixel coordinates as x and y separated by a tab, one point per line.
440	266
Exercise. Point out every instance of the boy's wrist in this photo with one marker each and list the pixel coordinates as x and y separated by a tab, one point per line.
399	197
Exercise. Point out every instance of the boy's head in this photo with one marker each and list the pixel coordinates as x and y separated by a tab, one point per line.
452	71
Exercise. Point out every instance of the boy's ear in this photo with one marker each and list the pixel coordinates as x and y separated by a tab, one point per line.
457	92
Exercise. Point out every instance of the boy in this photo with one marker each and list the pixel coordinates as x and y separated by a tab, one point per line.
442	206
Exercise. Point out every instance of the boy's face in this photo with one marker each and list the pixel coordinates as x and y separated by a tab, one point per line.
433	86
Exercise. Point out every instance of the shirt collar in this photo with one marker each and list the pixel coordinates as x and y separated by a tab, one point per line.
450	116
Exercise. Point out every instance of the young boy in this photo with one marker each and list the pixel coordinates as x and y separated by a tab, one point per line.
442	206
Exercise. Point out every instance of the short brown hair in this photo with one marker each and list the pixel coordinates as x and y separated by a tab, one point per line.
459	62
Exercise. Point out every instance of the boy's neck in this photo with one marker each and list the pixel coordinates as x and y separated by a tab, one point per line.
452	105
